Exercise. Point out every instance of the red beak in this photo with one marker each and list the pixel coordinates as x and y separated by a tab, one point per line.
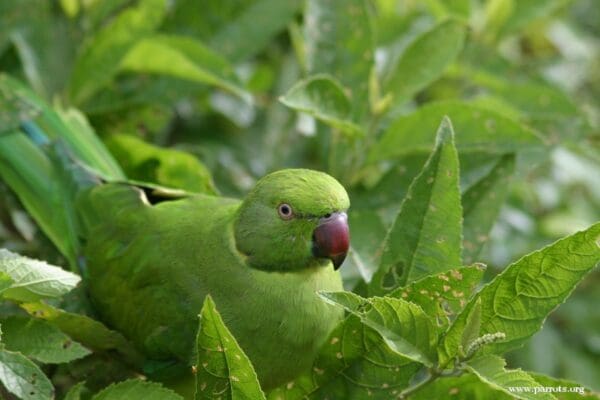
331	238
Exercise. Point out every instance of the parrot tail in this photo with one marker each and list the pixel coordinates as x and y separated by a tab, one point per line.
47	157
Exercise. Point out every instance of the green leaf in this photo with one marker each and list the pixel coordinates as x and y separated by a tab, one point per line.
472	329
479	129
518	300
101	56
174	168
23	378
426	235
496	14
85	330
135	389
75	391
251	30
404	326
5	282
222	368
454	8
481	206
490	370
444	295
575	390
34	279
14	107
527	11
354	363
426	59
466	386
184	58
324	98
40	340
339	42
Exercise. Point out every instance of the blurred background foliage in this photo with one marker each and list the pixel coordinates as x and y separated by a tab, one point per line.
211	95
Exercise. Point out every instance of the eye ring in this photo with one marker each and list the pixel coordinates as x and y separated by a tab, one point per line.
285	211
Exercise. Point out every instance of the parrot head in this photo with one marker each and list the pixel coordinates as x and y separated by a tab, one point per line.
294	219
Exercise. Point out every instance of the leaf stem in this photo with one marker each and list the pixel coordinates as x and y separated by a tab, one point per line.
433	375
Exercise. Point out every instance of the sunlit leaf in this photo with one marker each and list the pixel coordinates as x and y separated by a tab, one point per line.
404	326
184	58
518	300
34	279
23	378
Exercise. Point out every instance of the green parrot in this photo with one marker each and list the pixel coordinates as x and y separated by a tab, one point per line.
149	255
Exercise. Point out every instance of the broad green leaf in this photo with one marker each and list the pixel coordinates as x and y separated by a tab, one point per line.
466	386
481	206
253	28
101	56
403	325
471	331
174	168
478	129
425	238
34	279
135	389
85	330
518	300
339	42
324	98
354	364
444	295
23	378
40	340
426	59
490	370
575	390
222	368
184	58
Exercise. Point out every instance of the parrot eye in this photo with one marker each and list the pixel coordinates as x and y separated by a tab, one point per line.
285	211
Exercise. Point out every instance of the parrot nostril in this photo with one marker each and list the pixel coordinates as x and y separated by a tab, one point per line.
328	215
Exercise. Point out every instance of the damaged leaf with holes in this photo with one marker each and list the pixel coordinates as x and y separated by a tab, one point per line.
425	237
